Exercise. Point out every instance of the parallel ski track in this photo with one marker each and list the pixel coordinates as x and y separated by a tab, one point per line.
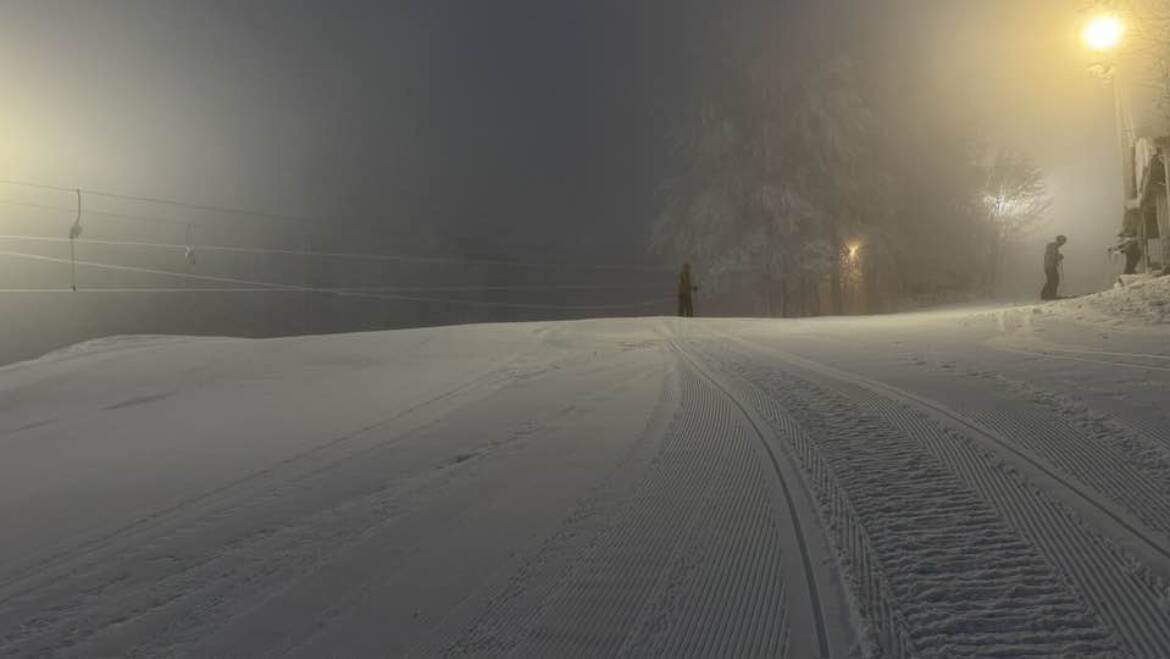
1080	356
802	542
914	401
887	630
917	528
1155	428
1047	348
1120	593
1093	463
689	564
690	567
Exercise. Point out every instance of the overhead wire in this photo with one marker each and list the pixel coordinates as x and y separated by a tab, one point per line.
165	202
319	289
327	255
26	204
241	285
309	289
305	222
148	219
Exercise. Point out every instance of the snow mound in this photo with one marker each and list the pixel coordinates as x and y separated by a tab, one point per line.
1144	302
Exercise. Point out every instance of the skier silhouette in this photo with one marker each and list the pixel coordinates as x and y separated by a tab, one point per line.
1053	259
686	304
1131	247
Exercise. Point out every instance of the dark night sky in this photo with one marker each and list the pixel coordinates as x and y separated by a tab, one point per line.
516	123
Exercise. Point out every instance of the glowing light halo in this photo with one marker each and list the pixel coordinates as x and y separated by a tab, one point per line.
1103	32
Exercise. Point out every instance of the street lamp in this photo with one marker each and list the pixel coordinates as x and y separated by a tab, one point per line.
1103	32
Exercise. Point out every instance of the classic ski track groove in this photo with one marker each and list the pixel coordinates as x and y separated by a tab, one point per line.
851	542
1133	604
916	401
680	495
1133	484
728	526
1107	353
801	540
957	518
1072	357
1094	464
688	563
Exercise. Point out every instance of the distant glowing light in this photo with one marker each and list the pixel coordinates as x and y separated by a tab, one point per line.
1103	32
853	250
1003	206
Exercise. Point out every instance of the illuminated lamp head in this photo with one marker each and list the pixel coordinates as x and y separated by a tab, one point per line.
1103	33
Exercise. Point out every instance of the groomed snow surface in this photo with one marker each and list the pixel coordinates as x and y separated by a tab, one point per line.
991	482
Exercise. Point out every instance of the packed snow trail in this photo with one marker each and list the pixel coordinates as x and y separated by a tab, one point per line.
943	484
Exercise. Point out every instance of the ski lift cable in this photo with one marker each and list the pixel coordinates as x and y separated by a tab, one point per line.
325	291
149	289
320	289
188	223
272	286
27	204
357	256
302	221
148	219
329	255
225	210
386	289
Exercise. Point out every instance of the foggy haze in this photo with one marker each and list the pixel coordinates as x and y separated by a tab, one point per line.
546	328
520	130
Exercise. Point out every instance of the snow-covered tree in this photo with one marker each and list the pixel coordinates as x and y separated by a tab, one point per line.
1015	202
783	167
765	184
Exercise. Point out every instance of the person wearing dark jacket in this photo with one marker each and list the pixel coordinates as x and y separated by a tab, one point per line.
1132	248
1052	261
686	305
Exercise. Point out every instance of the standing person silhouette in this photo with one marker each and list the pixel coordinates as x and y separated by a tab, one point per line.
1131	247
1052	261
686	303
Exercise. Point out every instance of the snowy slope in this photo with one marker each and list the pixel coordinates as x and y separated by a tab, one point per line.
1143	302
933	484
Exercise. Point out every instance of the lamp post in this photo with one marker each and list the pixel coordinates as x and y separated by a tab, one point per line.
854	278
1103	34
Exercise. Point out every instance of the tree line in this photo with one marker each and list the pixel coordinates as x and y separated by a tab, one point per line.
833	184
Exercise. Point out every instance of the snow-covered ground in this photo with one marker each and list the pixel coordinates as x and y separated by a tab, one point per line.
1142	302
991	481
